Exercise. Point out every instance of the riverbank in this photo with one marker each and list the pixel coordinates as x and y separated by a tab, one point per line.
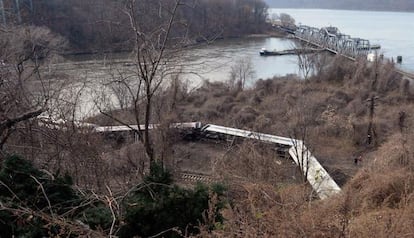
99	54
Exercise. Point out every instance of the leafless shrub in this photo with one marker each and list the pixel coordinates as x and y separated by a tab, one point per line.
388	79
265	86
125	167
341	69
242	97
249	161
241	73
24	52
198	100
335	125
405	87
245	116
356	107
262	123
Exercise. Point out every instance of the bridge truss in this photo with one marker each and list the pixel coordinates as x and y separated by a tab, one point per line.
331	39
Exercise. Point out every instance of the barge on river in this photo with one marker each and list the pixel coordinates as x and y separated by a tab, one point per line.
264	52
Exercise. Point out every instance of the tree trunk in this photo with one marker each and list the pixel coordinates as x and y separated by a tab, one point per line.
147	142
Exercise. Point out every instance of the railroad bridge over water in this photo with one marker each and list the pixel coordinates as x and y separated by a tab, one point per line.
332	40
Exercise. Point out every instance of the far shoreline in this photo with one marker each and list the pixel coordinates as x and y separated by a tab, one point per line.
88	53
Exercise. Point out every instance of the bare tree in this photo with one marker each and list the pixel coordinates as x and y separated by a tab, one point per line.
301	152
306	63
24	93
301	118
287	21
158	35
241	72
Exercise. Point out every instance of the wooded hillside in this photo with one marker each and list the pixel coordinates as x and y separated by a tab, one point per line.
98	25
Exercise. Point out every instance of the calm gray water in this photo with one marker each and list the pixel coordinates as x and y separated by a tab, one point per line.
214	62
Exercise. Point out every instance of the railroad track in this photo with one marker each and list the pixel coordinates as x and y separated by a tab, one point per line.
407	75
195	177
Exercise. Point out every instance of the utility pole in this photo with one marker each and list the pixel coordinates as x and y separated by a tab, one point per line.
371	128
3	13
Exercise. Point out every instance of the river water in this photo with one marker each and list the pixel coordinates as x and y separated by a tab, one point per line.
217	59
213	62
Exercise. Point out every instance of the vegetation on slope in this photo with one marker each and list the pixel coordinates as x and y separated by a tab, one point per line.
38	204
339	105
334	106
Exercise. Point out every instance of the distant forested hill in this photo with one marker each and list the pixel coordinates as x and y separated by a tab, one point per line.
94	25
380	5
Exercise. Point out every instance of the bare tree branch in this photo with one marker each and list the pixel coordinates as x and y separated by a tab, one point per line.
8	123
44	194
